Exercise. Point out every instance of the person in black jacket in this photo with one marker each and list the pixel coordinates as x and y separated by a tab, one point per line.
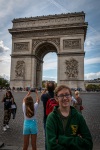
8	100
45	95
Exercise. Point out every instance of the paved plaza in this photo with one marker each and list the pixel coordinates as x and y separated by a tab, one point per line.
13	137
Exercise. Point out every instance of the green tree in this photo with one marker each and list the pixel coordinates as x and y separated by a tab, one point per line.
92	87
4	82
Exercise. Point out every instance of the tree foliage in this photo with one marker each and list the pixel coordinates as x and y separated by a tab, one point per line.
93	87
4	82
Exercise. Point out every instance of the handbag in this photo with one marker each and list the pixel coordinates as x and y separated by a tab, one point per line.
13	106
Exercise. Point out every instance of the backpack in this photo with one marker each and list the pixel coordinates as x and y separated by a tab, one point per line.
50	105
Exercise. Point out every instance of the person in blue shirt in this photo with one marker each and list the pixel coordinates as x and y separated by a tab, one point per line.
30	127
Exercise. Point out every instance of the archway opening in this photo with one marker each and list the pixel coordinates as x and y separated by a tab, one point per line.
46	54
50	67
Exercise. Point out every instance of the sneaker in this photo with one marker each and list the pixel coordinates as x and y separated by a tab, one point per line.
7	126
4	129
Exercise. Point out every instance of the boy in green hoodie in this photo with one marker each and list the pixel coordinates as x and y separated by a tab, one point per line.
66	129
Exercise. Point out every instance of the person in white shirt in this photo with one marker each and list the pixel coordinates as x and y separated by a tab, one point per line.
73	101
30	127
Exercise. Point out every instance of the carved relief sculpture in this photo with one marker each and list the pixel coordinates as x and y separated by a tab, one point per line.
72	44
20	69
71	68
21	46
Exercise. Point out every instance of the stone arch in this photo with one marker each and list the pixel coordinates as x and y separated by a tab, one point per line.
41	50
45	47
34	37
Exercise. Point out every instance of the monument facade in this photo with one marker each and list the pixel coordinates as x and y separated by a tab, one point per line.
34	37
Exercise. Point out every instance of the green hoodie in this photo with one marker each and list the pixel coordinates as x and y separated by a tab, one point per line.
58	139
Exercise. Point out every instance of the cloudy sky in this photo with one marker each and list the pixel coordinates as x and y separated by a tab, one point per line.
10	9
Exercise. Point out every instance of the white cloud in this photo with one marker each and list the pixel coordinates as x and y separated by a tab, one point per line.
92	60
5	59
50	65
7	77
92	39
5	69
49	78
50	61
90	76
3	48
4	56
92	43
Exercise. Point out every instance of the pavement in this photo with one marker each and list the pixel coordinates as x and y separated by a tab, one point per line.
12	139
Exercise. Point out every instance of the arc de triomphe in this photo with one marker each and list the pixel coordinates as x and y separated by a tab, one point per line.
34	37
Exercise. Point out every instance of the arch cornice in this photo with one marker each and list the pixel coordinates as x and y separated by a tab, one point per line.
50	32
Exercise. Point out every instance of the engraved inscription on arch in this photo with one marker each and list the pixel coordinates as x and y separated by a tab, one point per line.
71	68
20	69
71	44
21	46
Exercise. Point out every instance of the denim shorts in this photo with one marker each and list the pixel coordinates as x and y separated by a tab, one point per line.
30	127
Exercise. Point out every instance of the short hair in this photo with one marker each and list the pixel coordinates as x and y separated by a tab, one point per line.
76	92
60	87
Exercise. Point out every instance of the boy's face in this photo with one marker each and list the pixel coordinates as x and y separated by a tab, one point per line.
64	98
